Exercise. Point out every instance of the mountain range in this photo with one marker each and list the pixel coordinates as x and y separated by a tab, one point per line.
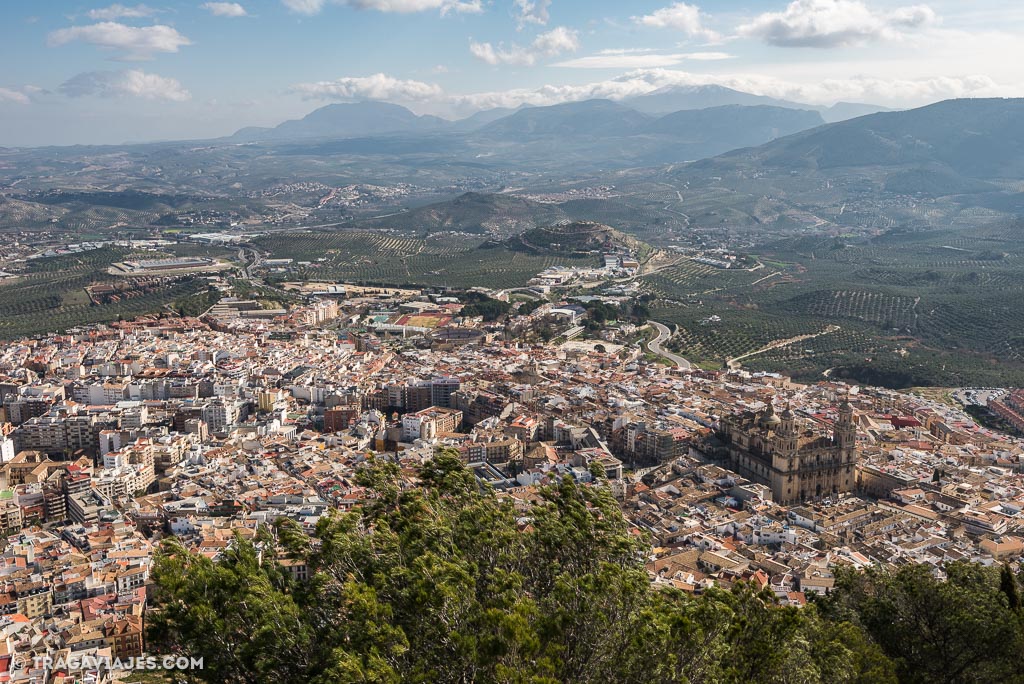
346	120
972	138
592	133
676	98
968	150
371	118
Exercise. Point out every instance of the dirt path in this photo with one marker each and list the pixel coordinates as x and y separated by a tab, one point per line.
734	363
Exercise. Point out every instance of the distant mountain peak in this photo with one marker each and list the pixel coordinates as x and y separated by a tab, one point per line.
587	117
346	120
675	98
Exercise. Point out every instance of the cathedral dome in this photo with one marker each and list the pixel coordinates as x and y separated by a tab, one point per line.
768	418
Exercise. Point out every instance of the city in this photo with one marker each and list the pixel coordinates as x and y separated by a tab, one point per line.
116	437
511	342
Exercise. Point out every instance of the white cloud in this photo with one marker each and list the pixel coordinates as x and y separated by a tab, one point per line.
15	96
835	23
895	92
626	51
709	56
129	83
427	97
137	42
304	6
374	87
532	12
680	17
117	11
311	7
555	42
638	60
463	7
225	9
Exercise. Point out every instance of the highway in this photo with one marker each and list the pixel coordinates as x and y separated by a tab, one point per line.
654	346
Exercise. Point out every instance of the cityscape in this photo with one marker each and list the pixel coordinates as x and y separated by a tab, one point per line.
512	342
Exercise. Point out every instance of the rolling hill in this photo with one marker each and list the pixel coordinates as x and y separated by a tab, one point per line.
576	237
483	214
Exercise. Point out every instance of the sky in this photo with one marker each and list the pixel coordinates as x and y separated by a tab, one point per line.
88	72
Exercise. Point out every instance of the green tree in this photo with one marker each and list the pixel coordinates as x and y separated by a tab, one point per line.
445	582
958	630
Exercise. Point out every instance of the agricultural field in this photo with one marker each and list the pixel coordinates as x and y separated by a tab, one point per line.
50	294
394	259
926	307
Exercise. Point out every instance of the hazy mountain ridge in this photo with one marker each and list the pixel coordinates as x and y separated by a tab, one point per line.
740	125
973	138
586	117
677	98
355	119
590	117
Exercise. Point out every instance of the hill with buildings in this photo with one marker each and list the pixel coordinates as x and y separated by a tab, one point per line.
576	237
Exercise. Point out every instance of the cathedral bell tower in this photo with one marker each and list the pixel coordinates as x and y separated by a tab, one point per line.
785	438
845	433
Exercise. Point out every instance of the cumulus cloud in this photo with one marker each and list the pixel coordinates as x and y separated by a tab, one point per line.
304	6
638	60
532	12
117	11
551	44
138	43
310	7
128	83
15	96
224	9
374	87
679	17
431	98
835	23
898	92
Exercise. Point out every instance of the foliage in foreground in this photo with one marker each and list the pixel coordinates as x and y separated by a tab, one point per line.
446	584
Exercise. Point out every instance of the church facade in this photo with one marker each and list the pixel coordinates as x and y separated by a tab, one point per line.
795	462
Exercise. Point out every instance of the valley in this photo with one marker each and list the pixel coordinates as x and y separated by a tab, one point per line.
906	248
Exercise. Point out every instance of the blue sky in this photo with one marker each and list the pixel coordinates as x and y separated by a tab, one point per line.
81	71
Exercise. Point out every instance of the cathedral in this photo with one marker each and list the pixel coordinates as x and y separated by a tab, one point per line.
795	462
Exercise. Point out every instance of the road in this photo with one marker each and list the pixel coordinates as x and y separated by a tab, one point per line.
654	346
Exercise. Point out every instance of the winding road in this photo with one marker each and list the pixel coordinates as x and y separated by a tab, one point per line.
654	346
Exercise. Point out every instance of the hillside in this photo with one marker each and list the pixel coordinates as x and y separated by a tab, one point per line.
597	133
973	138
496	215
735	125
484	117
574	238
841	111
677	98
588	118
